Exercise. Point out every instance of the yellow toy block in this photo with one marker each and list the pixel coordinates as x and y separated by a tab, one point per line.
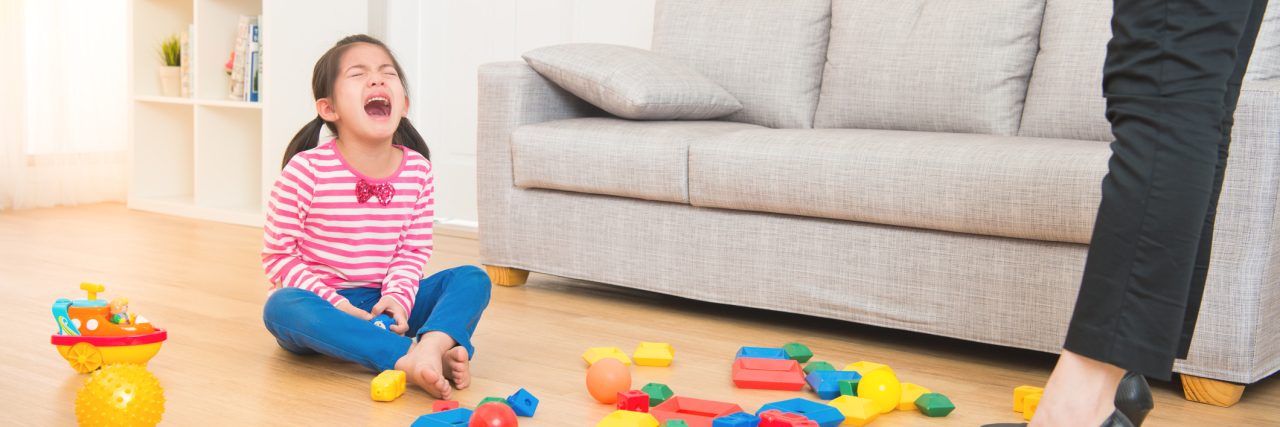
628	419
910	392
388	385
1029	405
654	354
882	386
857	411
1021	393
864	367
596	353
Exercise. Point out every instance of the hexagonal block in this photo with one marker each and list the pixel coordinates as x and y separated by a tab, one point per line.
864	367
827	383
768	374
596	353
523	403
493	399
628	419
696	412
1021	393
762	353
910	392
857	411
657	392
443	405
388	385
798	352
934	405
451	418
849	387
776	418
654	354
674	423
823	415
818	366
1029	405
736	419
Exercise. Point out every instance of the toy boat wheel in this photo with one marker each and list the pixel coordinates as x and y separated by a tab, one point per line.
84	357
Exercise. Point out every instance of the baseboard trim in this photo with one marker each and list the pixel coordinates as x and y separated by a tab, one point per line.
457	228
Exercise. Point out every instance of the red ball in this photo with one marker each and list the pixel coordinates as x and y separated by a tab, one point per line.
493	414
606	378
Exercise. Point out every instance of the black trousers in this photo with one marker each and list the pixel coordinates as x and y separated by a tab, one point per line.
1172	78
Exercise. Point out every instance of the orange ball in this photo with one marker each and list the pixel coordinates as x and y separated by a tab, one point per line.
606	378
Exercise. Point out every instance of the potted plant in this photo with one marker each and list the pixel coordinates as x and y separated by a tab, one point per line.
170	50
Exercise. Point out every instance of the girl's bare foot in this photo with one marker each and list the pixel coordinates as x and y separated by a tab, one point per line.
457	367
424	362
1080	392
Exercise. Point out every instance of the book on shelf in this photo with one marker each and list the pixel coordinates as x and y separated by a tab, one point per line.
251	74
185	61
239	57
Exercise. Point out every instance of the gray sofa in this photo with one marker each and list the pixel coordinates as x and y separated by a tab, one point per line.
929	166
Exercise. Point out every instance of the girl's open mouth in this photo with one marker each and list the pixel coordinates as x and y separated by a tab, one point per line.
377	107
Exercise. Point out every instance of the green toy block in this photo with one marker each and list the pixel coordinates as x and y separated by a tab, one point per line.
849	387
658	393
493	399
674	423
818	366
934	405
798	352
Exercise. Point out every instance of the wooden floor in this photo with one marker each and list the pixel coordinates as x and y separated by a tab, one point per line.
203	282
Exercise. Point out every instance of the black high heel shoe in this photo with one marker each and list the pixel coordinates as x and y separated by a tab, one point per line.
1117	420
1133	398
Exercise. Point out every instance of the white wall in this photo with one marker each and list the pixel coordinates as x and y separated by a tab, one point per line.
441	43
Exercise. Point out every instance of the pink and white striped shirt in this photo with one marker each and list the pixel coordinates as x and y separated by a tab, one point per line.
321	238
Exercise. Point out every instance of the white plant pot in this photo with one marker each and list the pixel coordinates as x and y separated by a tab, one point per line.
170	80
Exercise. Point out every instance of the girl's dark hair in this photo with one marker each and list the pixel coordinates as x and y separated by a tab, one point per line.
323	78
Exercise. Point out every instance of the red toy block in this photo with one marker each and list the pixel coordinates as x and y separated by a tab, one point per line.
443	405
633	400
776	418
695	412
768	374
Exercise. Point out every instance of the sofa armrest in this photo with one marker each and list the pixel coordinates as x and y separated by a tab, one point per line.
511	94
1240	313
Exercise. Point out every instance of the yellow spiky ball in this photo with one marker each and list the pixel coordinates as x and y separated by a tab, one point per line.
123	395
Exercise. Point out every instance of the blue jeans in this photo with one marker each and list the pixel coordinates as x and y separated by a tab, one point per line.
449	301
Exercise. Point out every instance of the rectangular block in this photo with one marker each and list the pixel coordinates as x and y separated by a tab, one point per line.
695	412
768	374
763	353
451	418
737	419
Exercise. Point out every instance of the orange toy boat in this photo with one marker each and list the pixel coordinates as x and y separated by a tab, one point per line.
88	338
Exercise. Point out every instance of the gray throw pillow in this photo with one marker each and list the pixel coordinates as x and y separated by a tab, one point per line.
632	83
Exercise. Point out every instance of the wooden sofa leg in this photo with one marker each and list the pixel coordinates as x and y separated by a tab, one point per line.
506	276
1213	392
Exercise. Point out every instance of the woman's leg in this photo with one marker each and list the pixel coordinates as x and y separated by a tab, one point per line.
304	323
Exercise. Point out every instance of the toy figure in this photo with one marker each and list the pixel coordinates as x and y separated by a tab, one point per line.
120	311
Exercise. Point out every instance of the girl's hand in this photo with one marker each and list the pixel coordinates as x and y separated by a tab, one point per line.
391	308
346	307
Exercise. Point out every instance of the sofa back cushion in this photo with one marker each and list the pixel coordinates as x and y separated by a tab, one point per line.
929	65
768	54
1065	97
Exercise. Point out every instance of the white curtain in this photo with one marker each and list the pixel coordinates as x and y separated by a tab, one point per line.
65	120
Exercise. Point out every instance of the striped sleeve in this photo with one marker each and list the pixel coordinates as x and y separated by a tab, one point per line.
414	250
286	213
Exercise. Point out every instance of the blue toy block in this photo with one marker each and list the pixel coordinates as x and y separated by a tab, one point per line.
451	418
383	321
824	415
827	383
523	403
739	419
763	353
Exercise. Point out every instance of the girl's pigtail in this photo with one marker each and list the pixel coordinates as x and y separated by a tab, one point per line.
306	139
408	137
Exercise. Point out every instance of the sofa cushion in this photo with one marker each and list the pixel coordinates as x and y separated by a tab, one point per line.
1032	188
632	83
1065	99
767	53
644	160
929	65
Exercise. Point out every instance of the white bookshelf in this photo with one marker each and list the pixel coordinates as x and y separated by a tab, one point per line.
209	157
